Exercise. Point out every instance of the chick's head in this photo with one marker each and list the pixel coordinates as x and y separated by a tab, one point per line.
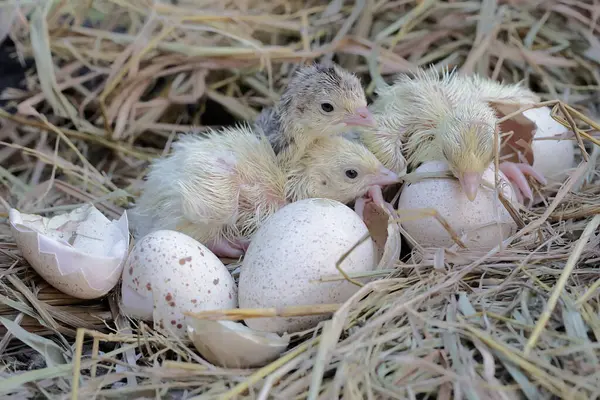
324	98
339	169
467	144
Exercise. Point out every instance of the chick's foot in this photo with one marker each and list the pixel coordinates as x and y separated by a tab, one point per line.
515	172
373	195
222	248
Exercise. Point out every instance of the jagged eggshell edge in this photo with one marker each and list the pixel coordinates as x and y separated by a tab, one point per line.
97	275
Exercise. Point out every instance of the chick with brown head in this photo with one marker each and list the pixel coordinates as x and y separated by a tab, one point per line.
320	100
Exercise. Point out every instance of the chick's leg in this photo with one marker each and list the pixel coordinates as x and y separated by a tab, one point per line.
515	172
222	248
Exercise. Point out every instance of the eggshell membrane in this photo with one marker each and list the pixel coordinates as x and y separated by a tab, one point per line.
476	218
552	158
168	273
86	269
296	247
230	344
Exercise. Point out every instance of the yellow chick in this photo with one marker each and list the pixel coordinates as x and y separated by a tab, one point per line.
341	169
215	188
219	188
426	117
321	99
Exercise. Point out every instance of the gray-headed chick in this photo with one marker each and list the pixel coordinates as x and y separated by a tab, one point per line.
425	116
219	188
321	99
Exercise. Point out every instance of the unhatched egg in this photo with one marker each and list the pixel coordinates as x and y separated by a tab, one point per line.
289	254
168	273
485	221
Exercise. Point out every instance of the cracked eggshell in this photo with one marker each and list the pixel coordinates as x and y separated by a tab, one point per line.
385	233
80	253
552	158
168	273
292	250
230	344
485	221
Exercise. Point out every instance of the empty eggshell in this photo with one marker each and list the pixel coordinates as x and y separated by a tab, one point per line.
80	253
552	158
168	273
298	245
230	344
485	221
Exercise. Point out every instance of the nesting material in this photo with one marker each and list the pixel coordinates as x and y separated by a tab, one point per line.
230	344
116	80
290	253
168	273
484	221
80	253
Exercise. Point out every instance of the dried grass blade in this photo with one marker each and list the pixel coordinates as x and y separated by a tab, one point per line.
560	285
52	352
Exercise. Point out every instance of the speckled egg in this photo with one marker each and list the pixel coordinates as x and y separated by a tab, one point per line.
291	252
484	221
168	273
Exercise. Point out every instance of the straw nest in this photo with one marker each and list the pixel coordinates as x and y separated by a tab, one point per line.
114	81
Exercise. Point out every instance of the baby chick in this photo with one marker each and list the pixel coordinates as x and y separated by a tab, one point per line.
341	169
426	117
215	188
321	99
218	189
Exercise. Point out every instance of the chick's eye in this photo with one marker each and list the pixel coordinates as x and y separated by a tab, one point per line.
327	107
351	173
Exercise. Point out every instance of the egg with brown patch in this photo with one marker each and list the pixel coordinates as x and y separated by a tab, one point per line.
168	273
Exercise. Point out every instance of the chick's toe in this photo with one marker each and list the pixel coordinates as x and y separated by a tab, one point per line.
515	172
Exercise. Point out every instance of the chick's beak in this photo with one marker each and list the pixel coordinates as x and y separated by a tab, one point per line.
361	117
385	177
470	183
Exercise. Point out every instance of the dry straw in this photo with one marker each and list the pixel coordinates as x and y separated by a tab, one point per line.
115	81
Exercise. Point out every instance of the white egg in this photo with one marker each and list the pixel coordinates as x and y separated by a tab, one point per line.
298	245
168	273
552	158
80	253
485	221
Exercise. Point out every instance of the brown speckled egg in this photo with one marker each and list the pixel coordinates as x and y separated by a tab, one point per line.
295	248
167	273
485	221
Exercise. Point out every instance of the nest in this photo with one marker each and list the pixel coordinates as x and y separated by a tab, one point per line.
108	86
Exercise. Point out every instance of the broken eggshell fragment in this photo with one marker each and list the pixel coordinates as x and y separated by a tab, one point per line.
385	233
230	344
168	273
80	253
